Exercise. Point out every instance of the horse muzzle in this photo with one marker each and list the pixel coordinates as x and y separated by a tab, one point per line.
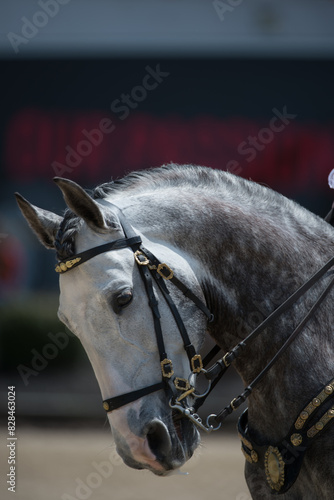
161	448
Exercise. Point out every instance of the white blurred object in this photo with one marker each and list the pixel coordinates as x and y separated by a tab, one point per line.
331	179
178	472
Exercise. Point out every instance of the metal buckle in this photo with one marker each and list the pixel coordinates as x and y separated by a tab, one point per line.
152	267
234	408
182	384
144	262
197	360
164	266
167	368
226	363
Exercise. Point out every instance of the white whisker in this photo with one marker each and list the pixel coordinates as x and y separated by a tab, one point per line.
178	472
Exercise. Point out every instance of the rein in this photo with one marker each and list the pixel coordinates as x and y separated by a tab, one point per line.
214	374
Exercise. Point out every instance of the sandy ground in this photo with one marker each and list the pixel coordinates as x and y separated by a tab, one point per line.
82	464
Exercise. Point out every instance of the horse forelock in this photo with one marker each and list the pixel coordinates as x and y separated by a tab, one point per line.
65	238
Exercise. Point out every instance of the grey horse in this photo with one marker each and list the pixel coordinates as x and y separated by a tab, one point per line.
242	249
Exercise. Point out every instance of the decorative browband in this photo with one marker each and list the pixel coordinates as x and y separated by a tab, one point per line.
62	267
79	258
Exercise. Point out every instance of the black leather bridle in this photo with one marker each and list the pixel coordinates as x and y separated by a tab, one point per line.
150	269
322	414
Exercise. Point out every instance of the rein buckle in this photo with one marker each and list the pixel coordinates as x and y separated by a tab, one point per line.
226	363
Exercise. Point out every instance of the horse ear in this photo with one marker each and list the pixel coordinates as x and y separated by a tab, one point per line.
45	224
81	203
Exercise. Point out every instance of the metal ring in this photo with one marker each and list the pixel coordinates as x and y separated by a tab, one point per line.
213	415
208	388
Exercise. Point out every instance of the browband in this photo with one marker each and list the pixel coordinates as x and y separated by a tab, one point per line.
79	258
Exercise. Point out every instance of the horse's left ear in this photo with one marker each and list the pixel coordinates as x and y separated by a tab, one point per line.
81	203
45	224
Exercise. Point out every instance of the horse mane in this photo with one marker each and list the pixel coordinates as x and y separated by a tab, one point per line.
219	184
170	175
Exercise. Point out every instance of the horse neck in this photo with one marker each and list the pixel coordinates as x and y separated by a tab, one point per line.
248	262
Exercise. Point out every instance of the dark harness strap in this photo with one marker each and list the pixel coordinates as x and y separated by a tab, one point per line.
124	399
288	453
215	373
242	397
189	348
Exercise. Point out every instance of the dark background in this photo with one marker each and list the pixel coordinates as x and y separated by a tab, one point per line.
239	94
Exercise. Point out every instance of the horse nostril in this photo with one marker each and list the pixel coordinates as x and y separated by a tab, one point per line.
159	439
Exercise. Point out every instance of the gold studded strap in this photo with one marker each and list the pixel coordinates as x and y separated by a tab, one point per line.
282	461
313	405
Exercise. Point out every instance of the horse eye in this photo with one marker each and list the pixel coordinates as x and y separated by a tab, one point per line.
124	298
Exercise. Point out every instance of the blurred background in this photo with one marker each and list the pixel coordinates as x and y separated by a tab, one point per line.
93	90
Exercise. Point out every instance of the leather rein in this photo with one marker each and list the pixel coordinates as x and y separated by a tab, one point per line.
152	270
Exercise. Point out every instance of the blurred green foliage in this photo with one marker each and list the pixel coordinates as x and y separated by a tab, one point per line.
29	326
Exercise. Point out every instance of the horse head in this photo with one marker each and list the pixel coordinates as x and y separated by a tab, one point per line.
104	302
